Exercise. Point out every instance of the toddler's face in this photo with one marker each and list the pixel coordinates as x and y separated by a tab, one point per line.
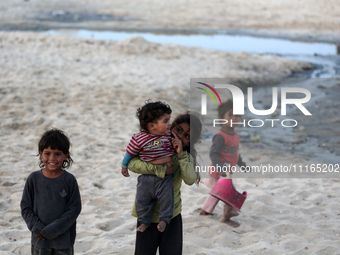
231	118
161	127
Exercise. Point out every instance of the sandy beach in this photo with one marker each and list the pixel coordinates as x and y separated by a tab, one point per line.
91	89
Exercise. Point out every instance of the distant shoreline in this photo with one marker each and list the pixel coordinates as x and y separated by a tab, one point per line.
328	37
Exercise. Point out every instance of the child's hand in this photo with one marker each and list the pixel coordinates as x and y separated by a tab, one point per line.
125	172
177	143
41	237
169	168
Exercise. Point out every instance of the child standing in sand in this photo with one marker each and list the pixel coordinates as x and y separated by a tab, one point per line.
223	153
51	200
153	145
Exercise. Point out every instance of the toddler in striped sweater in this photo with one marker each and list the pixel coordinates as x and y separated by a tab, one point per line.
153	144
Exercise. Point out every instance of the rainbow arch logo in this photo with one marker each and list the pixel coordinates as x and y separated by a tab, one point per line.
209	93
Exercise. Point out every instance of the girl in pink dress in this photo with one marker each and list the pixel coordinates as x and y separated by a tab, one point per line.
224	154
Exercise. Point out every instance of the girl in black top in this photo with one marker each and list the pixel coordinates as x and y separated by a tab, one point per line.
51	200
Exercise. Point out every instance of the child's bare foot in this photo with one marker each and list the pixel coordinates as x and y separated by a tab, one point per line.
232	213
202	212
231	223
161	226
142	227
229	212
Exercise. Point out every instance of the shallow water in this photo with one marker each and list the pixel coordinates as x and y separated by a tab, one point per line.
231	43
315	137
299	141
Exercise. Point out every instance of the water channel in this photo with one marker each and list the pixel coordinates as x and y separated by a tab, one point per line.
327	69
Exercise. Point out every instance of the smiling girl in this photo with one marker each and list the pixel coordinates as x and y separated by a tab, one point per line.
51	200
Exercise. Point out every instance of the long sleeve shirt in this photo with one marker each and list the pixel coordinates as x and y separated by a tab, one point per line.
50	207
